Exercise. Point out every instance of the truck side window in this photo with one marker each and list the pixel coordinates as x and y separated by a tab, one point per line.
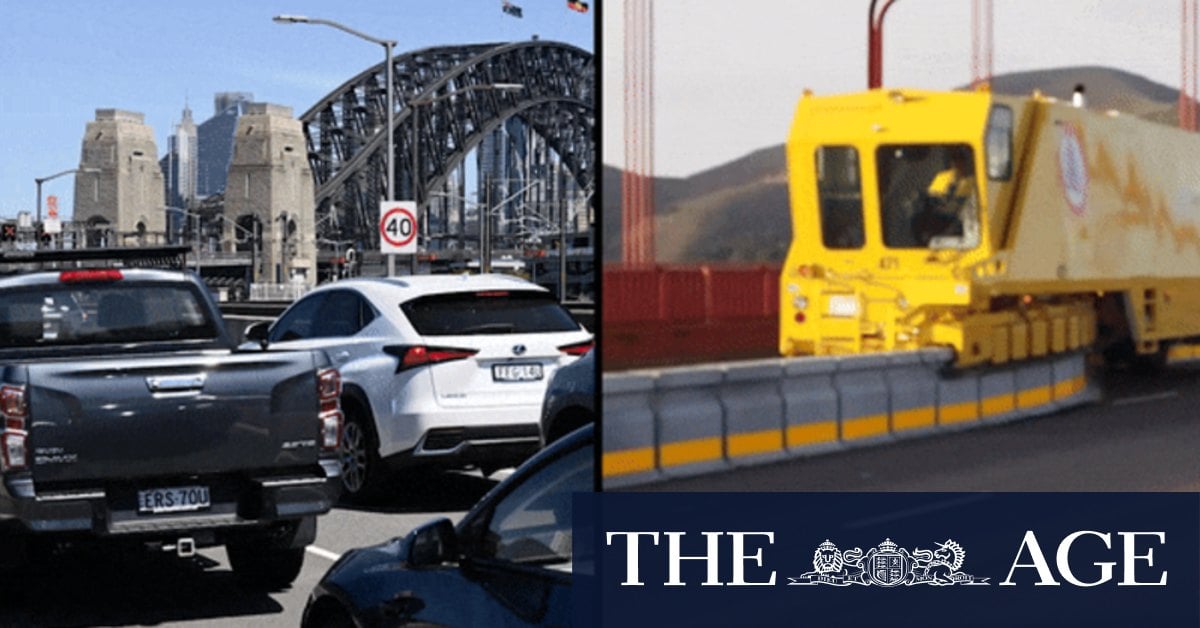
998	143
839	186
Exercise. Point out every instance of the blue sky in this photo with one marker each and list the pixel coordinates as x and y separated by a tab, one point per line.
60	60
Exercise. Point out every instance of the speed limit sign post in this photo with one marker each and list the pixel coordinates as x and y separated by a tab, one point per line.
398	228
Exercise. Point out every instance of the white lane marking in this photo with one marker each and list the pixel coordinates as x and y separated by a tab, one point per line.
323	553
1124	401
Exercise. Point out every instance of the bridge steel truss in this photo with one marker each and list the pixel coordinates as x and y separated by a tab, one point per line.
347	138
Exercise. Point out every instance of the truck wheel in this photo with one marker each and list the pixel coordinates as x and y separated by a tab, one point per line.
260	567
361	469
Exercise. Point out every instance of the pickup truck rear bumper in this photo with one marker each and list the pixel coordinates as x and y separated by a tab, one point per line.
112	510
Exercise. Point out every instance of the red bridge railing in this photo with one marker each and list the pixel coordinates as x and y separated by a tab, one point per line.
664	315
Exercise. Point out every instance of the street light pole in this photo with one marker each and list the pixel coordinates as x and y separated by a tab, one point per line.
416	172
388	46
40	180
391	144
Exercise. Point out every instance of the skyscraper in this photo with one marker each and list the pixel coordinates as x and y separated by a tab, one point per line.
215	141
180	164
198	157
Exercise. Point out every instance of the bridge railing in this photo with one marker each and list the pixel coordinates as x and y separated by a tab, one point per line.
665	315
277	291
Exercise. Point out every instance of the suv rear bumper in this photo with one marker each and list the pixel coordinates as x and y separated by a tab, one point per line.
111	511
488	445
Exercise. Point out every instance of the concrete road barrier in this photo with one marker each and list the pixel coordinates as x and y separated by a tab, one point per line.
912	392
753	411
861	383
628	430
810	406
690	421
712	417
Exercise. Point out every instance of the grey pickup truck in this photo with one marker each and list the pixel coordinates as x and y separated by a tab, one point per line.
130	417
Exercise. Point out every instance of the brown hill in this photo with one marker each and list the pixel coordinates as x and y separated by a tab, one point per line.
739	211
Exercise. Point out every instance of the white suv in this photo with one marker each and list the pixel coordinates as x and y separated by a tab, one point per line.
440	370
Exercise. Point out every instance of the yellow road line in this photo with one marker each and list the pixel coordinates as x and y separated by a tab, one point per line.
1034	397
755	443
998	404
812	433
689	451
864	427
959	412
627	461
913	419
1069	387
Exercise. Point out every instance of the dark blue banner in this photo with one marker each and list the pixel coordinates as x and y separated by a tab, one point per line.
888	559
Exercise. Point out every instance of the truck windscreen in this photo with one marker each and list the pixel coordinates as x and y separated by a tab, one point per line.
928	196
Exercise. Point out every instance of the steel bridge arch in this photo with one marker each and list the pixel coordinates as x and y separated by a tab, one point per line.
346	131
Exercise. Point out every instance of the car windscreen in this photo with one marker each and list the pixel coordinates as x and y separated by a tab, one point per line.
70	314
488	312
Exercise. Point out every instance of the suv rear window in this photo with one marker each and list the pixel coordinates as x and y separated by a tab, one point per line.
491	312
84	314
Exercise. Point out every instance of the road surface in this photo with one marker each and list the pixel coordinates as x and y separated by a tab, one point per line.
120	588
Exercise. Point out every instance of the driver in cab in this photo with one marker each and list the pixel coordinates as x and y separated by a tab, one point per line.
949	193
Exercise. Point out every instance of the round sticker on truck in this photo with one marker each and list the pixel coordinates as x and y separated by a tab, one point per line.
1072	168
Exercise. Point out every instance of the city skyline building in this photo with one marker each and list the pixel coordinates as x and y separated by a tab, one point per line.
198	156
518	157
502	154
196	165
215	141
180	167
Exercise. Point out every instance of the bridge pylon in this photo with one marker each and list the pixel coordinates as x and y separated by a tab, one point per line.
269	196
122	198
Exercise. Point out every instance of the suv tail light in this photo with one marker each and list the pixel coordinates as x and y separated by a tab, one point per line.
329	398
578	348
412	356
15	410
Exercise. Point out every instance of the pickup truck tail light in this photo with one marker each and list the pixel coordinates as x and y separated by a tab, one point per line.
579	348
89	275
15	410
412	356
329	395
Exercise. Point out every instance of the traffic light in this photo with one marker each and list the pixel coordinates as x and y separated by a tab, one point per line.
8	231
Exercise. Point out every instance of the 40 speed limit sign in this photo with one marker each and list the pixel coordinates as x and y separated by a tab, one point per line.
398	227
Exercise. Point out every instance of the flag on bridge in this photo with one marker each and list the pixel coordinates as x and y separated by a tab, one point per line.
575	5
511	9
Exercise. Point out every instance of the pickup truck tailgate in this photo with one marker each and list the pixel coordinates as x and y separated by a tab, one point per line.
183	414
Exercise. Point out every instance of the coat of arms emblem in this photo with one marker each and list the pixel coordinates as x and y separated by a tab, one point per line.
888	565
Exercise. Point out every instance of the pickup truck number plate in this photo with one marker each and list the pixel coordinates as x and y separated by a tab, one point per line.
516	372
178	499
